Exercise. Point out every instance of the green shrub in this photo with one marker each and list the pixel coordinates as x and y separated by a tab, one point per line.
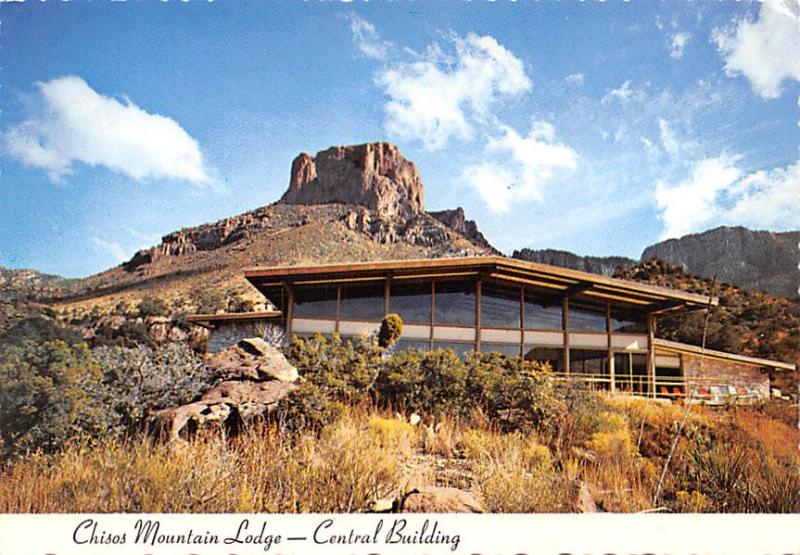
136	381
209	301
517	392
342	369
44	396
429	382
152	306
38	329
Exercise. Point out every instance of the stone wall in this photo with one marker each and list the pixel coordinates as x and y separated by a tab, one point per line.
733	380
225	335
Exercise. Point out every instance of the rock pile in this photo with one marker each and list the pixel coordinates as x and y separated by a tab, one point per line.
256	377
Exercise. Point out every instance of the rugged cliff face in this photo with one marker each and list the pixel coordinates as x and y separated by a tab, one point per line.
760	260
605	265
457	221
374	175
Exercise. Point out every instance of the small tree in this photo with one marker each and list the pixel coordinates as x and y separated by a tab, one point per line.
391	330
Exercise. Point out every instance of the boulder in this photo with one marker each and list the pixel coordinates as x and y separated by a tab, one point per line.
253	358
257	377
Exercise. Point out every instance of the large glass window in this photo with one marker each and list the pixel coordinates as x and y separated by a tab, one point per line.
627	323
461	349
503	349
317	301
587	318
418	344
411	301
455	302
362	302
583	361
541	314
552	356
499	306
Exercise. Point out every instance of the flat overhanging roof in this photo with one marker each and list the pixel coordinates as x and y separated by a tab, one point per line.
210	320
675	347
551	280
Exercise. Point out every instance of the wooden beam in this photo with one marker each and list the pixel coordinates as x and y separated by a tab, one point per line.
289	307
576	289
663	306
386	294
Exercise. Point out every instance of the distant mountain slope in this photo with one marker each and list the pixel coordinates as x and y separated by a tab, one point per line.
605	265
760	260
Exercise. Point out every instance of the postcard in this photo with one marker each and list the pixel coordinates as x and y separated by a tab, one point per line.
399	277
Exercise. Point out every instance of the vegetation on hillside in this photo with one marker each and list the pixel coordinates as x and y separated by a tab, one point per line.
747	322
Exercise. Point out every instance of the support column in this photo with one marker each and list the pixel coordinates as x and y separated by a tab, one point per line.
651	355
338	304
386	293
611	369
521	320
565	329
433	311
478	289
289	308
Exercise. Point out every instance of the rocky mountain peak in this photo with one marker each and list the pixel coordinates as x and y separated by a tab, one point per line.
375	175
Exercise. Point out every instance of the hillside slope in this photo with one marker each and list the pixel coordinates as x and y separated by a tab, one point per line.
758	260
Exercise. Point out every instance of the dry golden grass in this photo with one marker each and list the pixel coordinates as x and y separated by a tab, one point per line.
367	454
514	473
776	436
342	470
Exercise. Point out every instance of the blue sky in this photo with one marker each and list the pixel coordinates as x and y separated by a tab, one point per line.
598	128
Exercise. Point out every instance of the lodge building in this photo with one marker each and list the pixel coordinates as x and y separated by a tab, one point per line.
588	327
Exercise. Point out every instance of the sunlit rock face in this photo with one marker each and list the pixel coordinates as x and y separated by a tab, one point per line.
374	175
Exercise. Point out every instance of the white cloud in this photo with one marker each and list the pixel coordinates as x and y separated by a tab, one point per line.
76	124
668	139
624	93
767	50
517	167
677	45
432	101
575	78
718	193
367	39
693	202
111	248
649	146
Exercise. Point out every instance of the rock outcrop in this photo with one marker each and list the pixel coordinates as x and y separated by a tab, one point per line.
257	376
458	222
605	265
760	260
374	175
